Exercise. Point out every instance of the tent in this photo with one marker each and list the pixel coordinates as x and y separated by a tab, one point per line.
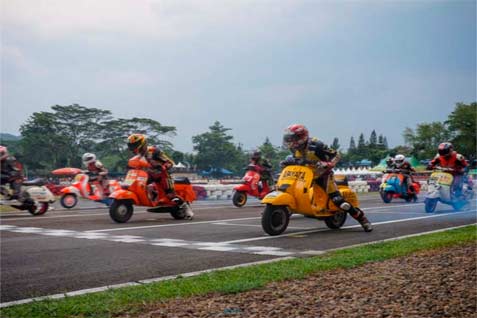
180	165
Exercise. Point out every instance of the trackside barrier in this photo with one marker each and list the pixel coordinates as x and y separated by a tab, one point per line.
219	191
225	191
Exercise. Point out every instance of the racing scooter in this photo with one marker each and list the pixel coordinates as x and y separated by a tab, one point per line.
393	186
35	197
136	191
251	185
84	186
440	190
298	193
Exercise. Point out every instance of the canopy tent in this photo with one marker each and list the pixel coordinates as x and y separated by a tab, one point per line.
180	165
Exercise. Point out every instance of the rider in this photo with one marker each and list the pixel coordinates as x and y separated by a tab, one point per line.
97	170
390	163
11	173
406	169
296	139
455	162
158	166
159	171
264	166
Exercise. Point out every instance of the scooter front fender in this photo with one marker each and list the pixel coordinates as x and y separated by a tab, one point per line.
70	189
124	195
243	188
280	198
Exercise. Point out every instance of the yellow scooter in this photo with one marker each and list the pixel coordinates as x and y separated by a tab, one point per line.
297	193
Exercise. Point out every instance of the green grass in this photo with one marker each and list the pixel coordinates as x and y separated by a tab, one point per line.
131	300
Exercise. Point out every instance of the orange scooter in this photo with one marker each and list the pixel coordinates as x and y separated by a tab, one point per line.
136	191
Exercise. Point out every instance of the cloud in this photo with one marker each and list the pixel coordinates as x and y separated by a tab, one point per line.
156	18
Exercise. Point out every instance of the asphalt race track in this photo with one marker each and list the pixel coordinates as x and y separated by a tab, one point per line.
82	248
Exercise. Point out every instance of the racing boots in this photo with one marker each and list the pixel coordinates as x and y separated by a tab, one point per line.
363	220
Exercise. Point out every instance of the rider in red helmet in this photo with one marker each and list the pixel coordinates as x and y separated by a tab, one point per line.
455	162
297	140
11	172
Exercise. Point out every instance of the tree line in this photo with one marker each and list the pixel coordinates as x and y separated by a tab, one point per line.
59	137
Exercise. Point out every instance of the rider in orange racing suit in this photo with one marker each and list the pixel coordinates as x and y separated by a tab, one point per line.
296	139
448	158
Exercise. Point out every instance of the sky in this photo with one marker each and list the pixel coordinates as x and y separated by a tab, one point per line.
339	67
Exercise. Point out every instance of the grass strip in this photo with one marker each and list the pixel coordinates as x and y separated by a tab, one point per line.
131	300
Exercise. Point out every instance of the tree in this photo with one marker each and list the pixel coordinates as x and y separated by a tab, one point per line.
216	150
273	153
352	144
59	138
361	142
335	145
425	139
373	140
462	122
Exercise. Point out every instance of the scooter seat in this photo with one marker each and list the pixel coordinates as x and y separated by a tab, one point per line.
34	182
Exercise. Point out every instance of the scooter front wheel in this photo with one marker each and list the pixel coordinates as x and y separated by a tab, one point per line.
121	211
69	200
430	205
239	199
386	196
275	219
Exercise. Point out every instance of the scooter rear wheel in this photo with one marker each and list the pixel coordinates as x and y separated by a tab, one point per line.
38	209
275	219
337	220
121	211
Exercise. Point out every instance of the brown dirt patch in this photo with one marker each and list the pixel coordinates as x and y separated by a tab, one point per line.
436	283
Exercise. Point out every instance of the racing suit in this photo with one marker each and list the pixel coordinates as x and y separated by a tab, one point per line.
325	158
457	163
98	172
406	169
159	171
265	170
12	174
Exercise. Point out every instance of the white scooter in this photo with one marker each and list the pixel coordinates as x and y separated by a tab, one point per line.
439	189
35	197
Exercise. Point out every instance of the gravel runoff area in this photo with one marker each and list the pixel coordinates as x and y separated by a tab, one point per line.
435	283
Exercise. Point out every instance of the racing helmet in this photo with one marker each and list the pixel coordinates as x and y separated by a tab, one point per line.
445	149
295	137
137	143
88	158
256	155
399	160
153	153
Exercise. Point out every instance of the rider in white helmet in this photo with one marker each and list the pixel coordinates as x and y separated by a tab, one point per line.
406	169
97	170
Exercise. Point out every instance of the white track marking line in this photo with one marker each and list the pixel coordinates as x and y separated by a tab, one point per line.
191	274
259	238
214	221
258	225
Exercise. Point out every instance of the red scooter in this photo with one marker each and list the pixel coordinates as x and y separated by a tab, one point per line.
251	185
85	187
